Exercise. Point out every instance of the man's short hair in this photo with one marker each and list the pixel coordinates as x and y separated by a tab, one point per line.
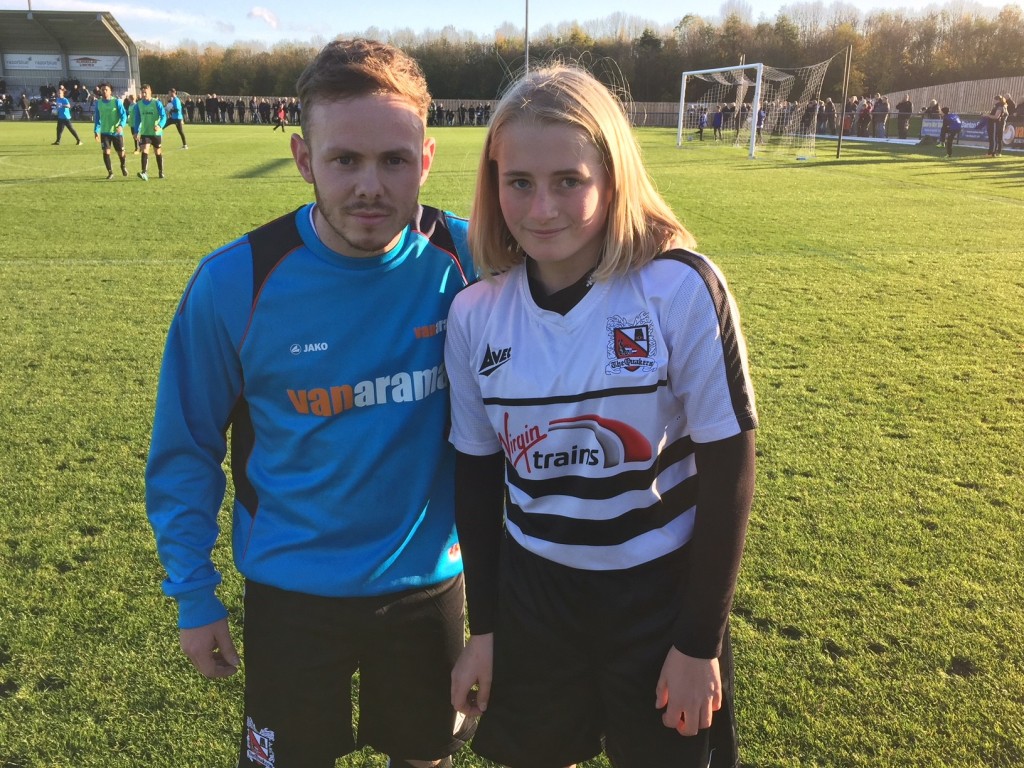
345	69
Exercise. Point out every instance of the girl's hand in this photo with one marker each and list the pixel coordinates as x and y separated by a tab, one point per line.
471	677
690	691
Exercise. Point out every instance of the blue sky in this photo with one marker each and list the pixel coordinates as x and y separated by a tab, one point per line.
169	22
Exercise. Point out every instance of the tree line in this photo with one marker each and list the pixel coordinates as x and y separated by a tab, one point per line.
893	50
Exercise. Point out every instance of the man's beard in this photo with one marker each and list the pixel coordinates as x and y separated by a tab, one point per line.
371	243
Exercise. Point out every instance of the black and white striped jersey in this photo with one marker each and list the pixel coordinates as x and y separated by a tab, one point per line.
597	411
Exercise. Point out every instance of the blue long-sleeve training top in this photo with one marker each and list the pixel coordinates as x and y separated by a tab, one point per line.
330	372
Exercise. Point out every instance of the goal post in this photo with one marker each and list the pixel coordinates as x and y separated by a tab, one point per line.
736	81
768	110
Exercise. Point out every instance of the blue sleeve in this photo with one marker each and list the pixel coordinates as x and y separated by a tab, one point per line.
200	383
122	112
96	117
162	111
136	118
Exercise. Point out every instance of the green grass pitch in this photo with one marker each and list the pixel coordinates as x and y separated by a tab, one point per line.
880	612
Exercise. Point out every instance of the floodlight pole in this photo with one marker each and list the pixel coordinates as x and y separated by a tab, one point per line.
527	36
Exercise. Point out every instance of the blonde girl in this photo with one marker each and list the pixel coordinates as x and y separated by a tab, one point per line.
603	416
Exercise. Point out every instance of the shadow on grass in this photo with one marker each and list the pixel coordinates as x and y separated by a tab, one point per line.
1005	170
269	168
921	150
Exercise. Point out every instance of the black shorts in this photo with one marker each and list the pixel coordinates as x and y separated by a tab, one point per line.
154	140
301	652
577	656
112	140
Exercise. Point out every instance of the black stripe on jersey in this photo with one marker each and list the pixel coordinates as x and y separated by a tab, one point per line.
243	438
727	322
596	394
433	224
269	245
601	487
604	533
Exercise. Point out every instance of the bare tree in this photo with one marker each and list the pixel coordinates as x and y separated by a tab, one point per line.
741	9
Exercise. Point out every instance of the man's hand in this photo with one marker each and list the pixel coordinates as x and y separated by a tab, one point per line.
690	691
211	650
471	677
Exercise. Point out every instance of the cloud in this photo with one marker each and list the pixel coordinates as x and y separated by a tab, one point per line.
258	12
132	11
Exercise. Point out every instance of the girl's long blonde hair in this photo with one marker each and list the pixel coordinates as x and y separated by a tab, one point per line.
640	223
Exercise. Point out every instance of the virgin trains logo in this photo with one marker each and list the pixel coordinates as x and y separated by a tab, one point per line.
631	345
598	442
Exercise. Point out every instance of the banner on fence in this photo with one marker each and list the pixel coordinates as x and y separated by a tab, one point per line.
1017	139
976	129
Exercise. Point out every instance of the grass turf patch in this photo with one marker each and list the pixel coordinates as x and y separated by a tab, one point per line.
879	611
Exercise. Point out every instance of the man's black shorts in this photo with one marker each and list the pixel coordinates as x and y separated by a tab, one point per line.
154	140
301	652
116	141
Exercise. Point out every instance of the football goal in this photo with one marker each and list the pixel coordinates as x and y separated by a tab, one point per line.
756	106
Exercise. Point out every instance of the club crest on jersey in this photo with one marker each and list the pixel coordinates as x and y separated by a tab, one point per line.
631	344
259	745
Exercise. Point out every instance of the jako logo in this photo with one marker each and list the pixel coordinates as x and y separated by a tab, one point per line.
317	346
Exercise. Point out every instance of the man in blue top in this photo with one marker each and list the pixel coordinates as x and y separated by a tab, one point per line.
717	120
62	109
176	115
148	119
319	340
950	132
109	120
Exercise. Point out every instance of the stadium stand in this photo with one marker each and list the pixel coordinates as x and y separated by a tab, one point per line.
40	49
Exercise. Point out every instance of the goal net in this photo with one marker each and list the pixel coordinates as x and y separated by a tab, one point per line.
757	107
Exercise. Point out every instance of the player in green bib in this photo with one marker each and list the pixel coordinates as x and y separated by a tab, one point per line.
109	120
148	120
